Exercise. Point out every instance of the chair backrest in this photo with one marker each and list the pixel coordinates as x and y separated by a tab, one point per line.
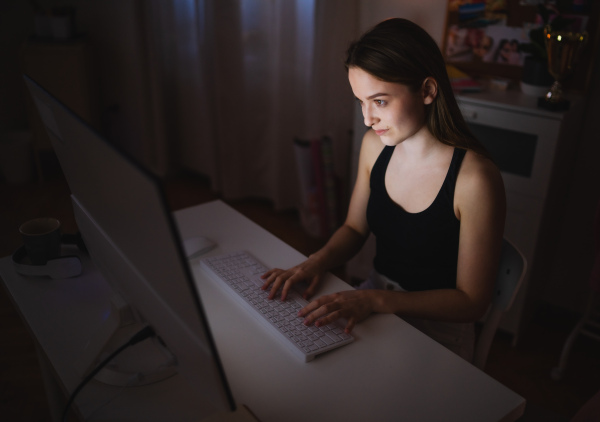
511	273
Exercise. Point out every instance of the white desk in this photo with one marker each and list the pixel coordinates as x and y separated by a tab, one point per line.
62	316
391	372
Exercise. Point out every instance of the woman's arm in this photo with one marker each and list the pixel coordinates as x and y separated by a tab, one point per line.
344	243
480	205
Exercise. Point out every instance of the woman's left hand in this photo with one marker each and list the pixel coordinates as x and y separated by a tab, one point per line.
354	305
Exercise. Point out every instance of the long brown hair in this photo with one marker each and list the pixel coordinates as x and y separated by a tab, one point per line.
398	50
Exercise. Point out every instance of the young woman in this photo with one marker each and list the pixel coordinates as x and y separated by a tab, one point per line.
425	188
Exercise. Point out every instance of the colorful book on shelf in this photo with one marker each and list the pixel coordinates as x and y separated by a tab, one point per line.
462	82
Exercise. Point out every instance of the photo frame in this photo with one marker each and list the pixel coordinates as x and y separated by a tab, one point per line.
482	37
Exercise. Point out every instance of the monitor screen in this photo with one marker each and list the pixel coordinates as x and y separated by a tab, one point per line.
122	214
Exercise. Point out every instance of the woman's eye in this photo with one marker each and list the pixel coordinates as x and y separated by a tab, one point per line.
380	102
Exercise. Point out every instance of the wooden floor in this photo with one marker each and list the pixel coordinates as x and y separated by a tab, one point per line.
524	369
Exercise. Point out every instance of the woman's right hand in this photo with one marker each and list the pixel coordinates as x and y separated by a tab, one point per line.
345	242
285	279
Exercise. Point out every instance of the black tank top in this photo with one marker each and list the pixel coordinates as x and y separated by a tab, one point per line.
419	251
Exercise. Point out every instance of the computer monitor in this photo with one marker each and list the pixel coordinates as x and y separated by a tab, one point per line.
123	217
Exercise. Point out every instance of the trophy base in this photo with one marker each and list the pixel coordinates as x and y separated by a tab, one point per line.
561	105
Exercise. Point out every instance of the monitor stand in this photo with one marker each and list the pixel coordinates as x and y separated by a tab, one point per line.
144	363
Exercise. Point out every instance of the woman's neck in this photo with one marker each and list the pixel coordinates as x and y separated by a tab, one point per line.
422	145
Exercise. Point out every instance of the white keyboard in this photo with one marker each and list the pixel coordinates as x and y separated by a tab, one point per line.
238	273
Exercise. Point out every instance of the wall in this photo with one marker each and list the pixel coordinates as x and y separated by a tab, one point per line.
429	14
113	30
16	26
16	23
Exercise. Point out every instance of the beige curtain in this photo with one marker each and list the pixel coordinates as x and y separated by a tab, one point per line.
234	82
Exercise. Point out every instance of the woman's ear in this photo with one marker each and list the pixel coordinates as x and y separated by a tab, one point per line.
429	90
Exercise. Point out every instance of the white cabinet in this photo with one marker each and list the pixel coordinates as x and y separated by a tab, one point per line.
534	149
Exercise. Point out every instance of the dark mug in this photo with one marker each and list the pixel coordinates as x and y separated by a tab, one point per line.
42	239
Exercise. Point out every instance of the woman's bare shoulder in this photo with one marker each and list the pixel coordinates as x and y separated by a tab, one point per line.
479	181
479	168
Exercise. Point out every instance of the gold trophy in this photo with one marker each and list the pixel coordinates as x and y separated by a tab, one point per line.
564	49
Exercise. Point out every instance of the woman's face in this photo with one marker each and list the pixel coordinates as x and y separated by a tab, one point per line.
391	109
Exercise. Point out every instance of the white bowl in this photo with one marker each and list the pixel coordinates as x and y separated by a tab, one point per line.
534	90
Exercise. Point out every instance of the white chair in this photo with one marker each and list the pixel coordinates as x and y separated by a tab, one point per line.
511	273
